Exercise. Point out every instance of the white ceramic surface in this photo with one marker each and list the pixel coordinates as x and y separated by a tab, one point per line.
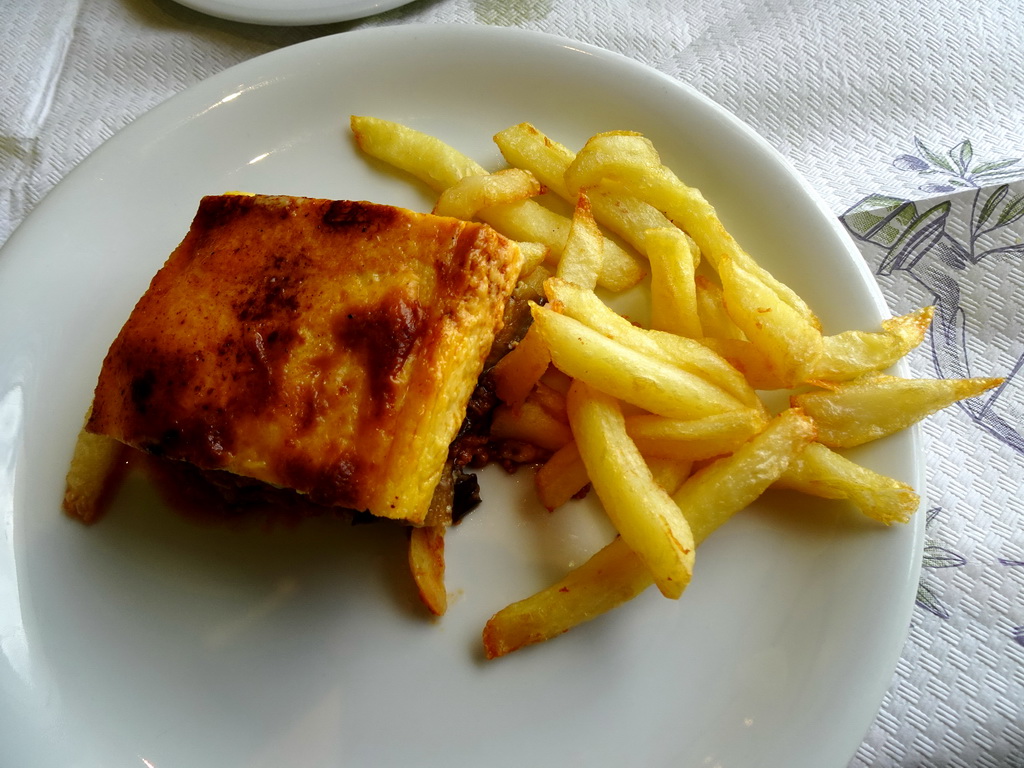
292	12
149	640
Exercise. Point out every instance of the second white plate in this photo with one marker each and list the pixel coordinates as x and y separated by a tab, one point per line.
292	12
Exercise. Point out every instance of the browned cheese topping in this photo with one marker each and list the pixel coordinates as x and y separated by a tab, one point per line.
330	347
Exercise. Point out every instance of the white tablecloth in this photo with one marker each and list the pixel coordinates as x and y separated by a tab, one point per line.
907	117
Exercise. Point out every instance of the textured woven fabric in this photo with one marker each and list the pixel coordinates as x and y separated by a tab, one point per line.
891	110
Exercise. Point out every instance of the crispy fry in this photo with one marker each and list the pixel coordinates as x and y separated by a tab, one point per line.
620	371
674	257
631	164
426	562
614	575
791	345
519	371
523	146
534	254
584	249
751	362
429	159
686	354
714	320
669	473
531	423
850	354
819	471
469	195
644	515
440	166
720	490
875	406
561	477
97	467
694	439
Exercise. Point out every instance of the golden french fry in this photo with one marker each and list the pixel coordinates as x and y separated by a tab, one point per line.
714	320
426	562
790	343
426	157
557	380
694	439
720	490
518	372
634	377
755	367
440	166
645	516
686	354
669	473
469	195
534	254
629	162
97	467
612	576
584	249
866	409
530	423
523	146
674	257
551	400
850	354
561	477
819	471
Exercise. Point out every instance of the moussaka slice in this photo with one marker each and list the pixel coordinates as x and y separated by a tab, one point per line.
329	347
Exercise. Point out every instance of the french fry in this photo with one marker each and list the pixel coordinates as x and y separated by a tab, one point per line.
97	467
557	380
791	345
646	517
630	163
686	354
669	473
720	490
674	257
518	372
714	320
551	400
561	477
469	195
426	562
630	410
584	249
531	423
875	406
634	377
850	354
694	439
616	574
534	254
612	576
819	471
755	367
440	166
523	146
429	159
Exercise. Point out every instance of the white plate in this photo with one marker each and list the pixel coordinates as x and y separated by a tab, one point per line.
292	12
150	640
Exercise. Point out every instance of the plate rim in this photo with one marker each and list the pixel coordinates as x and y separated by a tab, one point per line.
286	14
